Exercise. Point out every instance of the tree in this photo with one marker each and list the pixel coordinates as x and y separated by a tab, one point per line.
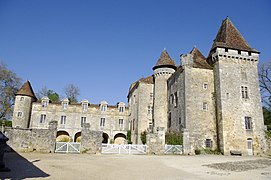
52	95
72	92
265	83
9	85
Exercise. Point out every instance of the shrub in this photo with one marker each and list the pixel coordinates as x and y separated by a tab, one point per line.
129	134
174	138
6	123
143	137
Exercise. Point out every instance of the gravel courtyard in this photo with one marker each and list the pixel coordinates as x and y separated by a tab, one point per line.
83	166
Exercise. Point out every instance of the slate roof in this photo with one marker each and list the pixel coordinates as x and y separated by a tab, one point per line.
26	90
199	59
229	37
165	61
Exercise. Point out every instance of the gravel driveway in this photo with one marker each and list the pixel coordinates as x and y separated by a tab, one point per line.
83	166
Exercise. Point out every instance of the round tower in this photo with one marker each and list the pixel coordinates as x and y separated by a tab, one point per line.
163	69
23	106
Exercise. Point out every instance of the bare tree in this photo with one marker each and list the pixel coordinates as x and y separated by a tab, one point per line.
72	92
9	85
265	82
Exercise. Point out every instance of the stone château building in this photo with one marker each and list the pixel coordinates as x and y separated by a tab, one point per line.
30	113
214	102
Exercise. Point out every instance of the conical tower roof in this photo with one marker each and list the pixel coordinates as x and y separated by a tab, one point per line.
199	61
165	61
229	37
26	90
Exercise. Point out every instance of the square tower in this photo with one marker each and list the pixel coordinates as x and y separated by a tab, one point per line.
238	101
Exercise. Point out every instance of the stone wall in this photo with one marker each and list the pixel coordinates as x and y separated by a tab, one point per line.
91	141
156	141
29	140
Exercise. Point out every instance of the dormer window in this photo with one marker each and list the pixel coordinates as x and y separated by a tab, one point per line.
121	109
65	105
44	101
103	108
44	104
85	106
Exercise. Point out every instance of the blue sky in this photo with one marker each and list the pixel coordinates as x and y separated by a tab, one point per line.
104	46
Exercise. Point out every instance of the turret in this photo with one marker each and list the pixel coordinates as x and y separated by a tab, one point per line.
23	106
238	100
163	69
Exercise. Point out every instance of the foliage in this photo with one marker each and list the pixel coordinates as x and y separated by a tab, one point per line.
207	151
78	139
129	135
6	123
268	134
52	95
267	118
72	92
143	137
265	83
174	138
9	85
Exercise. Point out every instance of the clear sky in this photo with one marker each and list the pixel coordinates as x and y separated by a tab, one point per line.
103	46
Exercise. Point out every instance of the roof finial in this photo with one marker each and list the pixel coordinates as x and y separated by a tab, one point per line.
164	49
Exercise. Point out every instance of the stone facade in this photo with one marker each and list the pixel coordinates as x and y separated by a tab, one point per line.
29	140
91	142
111	120
214	102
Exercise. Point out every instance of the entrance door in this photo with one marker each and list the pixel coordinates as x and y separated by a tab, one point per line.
249	147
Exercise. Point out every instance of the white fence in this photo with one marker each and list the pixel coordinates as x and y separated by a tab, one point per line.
67	147
173	149
124	149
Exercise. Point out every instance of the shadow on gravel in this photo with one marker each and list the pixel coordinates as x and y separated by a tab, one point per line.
20	168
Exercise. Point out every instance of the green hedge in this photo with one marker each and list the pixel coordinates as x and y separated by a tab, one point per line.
6	123
174	138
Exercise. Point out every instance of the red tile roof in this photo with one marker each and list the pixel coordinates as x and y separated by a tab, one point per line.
229	37
26	90
165	61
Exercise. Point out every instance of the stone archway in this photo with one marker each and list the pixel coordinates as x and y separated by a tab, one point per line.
63	136
105	138
120	138
77	137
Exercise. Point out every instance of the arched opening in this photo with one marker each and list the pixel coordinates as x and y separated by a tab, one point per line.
119	138
77	137
105	138
62	136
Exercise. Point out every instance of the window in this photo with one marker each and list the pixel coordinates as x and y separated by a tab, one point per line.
169	120
121	123
176	99
65	105
42	118
172	98
63	120
243	74
22	98
83	121
248	123
205	86
85	106
205	106
244	92
103	108
150	110
44	104
20	114
102	123
121	109
133	124
208	143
